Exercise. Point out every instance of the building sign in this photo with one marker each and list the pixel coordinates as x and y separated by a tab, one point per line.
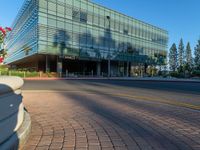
70	57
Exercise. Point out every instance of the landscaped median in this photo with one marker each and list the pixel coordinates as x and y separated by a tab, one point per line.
15	123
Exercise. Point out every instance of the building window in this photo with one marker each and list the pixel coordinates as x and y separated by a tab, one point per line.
125	32
83	17
76	15
79	16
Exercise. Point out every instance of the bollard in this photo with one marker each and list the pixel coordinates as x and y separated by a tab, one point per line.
15	123
40	74
66	73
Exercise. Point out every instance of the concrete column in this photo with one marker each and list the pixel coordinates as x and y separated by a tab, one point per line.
109	67
66	73
118	68
59	67
124	69
47	68
98	68
127	69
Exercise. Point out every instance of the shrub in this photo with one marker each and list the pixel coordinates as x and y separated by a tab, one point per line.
196	73
174	74
31	74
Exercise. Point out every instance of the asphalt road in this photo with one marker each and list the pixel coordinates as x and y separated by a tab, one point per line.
182	87
113	114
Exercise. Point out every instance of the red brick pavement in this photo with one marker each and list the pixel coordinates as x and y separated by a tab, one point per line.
83	121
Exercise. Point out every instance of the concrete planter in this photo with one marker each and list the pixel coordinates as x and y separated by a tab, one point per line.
12	114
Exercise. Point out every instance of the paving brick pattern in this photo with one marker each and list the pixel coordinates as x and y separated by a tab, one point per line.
89	119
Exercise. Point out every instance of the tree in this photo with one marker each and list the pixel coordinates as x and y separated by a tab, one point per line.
3	33
173	64
188	55
197	55
181	53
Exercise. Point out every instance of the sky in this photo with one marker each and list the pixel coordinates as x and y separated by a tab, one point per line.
181	18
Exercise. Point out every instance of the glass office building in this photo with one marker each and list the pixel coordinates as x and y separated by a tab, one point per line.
81	36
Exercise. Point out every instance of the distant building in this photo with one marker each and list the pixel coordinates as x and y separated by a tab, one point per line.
79	36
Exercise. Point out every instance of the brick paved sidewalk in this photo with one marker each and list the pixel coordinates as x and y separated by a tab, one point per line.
83	121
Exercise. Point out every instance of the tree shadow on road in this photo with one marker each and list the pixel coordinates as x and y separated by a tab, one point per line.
133	125
179	87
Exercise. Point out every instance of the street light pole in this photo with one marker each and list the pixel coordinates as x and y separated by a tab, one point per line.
108	18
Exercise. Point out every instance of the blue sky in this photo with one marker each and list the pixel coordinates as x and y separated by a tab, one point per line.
180	17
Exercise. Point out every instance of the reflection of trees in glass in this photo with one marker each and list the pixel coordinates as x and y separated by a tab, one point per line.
83	39
61	41
132	50
121	46
100	48
160	58
108	43
126	51
84	53
26	49
128	48
79	15
86	41
89	46
97	53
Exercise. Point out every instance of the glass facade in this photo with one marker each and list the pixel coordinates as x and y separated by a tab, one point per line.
83	30
23	40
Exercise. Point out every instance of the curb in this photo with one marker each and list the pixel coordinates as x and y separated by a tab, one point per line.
18	139
122	79
160	80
